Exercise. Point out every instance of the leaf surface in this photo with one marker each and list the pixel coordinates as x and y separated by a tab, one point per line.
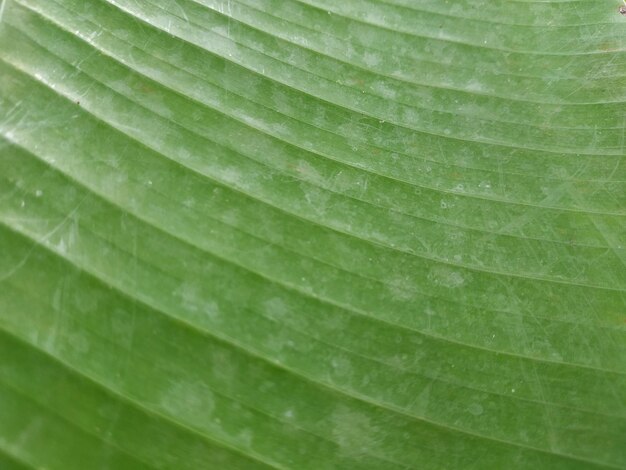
367	234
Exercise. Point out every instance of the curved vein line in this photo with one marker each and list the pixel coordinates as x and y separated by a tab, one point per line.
536	127
108	54
340	163
484	20
190	242
117	395
83	429
294	288
270	360
345	106
460	42
372	48
403	250
112	390
348	394
124	63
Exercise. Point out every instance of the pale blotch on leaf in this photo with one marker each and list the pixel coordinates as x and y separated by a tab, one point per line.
275	309
402	288
475	409
354	432
192	400
341	367
446	277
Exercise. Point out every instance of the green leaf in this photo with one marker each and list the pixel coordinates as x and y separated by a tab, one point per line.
357	234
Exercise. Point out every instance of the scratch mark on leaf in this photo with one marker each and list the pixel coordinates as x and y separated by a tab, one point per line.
42	240
3	4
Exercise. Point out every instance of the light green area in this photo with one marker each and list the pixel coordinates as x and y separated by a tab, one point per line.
355	234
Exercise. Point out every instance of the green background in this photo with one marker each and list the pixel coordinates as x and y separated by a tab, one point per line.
356	234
